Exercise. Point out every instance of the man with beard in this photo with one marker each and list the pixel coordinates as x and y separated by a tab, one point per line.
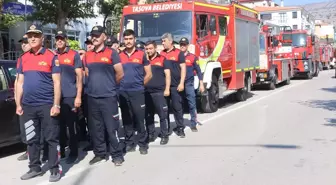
104	72
72	85
132	96
178	74
156	90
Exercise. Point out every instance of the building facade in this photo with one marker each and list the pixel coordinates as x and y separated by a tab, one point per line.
77	31
295	17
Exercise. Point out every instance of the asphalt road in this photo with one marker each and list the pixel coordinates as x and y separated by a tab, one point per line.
286	136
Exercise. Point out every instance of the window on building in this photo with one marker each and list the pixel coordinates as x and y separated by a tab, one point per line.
294	15
266	16
295	27
283	18
307	27
73	35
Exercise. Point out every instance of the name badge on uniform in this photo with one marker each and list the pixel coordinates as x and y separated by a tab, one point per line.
57	62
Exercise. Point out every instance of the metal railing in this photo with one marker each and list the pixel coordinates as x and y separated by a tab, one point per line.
11	55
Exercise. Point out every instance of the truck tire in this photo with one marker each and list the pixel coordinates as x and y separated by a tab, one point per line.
210	102
287	82
241	94
272	85
309	75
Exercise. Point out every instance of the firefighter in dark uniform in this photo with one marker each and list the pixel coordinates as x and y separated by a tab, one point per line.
104	72
38	103
89	47
113	43
191	63
156	90
72	85
25	47
178	74
132	96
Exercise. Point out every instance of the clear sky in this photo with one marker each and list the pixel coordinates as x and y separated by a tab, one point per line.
298	2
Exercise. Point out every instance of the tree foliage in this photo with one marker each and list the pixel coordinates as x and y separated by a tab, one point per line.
74	44
112	8
62	12
7	20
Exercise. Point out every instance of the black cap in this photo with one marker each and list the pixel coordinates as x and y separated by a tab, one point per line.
111	40
140	44
61	34
88	40
24	39
34	29
97	30
184	41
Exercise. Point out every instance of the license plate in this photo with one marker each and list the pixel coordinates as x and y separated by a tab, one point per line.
262	80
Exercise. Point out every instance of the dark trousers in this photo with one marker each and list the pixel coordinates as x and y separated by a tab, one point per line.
132	105
104	118
68	120
156	103
35	118
191	98
176	101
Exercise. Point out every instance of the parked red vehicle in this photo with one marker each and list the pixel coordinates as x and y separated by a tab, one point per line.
276	60
303	51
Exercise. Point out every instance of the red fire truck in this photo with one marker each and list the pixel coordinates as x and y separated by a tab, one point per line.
302	44
275	59
326	51
224	35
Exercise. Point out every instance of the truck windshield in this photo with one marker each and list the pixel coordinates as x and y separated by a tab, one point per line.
151	26
298	39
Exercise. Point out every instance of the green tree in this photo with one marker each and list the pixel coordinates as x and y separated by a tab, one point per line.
62	12
7	20
74	44
113	9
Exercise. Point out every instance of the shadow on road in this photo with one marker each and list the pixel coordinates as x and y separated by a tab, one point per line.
322	104
333	89
268	146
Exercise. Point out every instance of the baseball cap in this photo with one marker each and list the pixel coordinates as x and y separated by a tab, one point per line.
34	29
111	40
24	39
97	30
61	34
88	40
140	44
184	41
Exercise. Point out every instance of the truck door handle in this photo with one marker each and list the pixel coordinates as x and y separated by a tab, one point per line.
10	99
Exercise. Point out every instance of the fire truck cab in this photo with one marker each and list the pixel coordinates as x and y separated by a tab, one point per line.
275	59
302	44
223	35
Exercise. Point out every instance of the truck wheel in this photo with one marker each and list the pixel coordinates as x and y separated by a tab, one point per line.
209	103
309	75
287	82
241	94
272	85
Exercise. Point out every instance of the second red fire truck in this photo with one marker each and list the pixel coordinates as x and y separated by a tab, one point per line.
276	60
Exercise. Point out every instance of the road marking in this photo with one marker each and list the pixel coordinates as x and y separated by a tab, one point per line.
81	169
